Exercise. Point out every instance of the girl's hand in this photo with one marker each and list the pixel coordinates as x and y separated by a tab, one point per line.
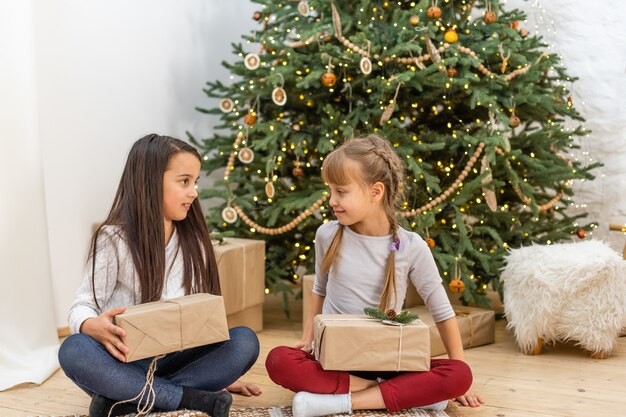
471	399
304	345
104	331
244	388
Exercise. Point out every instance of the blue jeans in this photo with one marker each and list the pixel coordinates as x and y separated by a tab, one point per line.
211	368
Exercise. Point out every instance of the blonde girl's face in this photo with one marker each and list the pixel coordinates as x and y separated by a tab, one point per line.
351	202
179	186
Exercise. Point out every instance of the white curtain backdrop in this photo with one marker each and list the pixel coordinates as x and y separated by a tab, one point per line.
28	338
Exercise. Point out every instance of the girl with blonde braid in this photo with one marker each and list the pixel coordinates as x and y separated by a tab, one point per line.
365	259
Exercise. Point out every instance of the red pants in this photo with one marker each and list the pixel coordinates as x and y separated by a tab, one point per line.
297	371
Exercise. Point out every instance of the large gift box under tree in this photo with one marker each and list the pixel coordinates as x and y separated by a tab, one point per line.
241	266
477	325
355	342
168	326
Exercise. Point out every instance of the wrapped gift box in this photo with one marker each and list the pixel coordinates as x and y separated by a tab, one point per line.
172	325
477	326
241	266
354	342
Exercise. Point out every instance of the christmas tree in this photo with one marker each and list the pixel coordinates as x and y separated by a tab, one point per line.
469	99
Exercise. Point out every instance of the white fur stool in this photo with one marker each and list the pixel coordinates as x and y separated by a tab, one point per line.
572	291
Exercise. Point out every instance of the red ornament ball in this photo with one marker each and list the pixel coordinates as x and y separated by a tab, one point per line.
329	79
249	119
297	172
581	233
456	286
257	16
490	17
433	12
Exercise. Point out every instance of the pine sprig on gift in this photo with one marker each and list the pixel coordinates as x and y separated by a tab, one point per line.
404	317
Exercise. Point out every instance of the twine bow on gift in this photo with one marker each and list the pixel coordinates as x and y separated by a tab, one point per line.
147	393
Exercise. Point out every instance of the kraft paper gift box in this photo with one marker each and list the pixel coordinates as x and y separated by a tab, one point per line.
355	342
477	326
241	266
168	326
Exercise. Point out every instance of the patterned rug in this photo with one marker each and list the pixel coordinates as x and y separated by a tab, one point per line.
451	411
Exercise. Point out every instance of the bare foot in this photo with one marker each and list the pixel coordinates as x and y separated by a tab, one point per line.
359	384
244	388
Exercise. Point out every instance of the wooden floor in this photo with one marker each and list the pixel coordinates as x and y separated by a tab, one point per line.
562	381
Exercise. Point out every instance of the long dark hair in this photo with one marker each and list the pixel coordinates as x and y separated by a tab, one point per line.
138	212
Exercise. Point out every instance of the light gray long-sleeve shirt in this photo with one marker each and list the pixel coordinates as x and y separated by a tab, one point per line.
356	279
116	281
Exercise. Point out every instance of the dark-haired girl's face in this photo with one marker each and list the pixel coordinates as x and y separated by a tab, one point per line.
179	186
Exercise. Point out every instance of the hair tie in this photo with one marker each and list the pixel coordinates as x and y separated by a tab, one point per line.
395	245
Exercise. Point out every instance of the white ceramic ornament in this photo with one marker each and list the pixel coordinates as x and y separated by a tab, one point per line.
366	65
246	155
229	215
226	105
279	96
252	61
303	8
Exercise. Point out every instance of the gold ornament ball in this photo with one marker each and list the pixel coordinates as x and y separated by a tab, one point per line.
450	36
490	17
515	24
433	12
581	233
430	242
515	121
523	33
249	119
414	20
296	127
452	72
329	79
297	172
257	16
456	286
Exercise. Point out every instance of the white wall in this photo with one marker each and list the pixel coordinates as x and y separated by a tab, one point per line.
590	51
109	72
28	341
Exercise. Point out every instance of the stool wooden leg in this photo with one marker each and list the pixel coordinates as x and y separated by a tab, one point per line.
537	350
599	355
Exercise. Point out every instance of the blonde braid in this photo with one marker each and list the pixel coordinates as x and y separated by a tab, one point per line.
389	295
333	250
